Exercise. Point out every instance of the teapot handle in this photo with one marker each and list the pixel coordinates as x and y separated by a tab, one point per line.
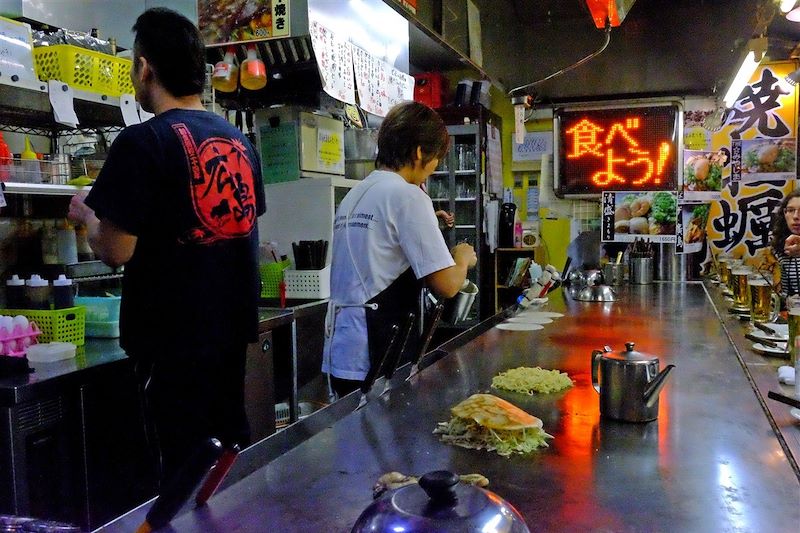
596	355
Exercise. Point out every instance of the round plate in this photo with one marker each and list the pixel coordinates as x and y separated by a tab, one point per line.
525	319
795	412
519	326
544	314
768	350
763	335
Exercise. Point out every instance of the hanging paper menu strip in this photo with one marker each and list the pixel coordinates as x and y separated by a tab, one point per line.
335	63
401	86
371	82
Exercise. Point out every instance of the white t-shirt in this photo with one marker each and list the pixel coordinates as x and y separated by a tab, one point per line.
392	226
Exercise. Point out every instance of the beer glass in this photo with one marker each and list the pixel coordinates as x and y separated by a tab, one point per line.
724	273
794	327
741	291
764	303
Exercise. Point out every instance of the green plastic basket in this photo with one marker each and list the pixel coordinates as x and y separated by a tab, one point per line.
271	277
58	325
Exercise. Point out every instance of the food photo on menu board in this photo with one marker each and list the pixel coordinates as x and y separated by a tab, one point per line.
231	21
693	227
629	215
703	173
768	159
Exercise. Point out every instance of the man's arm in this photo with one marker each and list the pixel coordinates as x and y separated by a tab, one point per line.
113	245
448	281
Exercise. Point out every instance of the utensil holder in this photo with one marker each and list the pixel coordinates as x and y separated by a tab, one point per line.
614	273
641	270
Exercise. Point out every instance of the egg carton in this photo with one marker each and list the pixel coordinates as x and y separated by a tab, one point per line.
14	341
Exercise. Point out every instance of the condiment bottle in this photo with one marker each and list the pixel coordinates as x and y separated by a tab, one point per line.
252	73
85	252
37	293
31	168
225	76
49	243
67	243
15	292
63	295
6	163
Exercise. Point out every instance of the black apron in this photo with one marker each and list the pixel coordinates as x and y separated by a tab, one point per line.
395	302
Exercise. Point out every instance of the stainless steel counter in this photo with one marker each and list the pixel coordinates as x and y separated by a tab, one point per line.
711	462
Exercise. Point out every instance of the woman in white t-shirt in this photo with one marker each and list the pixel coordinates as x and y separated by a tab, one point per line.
386	246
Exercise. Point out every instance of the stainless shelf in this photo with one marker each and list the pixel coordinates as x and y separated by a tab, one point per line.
42	189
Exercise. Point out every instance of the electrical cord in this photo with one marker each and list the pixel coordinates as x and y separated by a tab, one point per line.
573	66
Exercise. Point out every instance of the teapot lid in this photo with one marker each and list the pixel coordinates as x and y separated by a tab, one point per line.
440	503
629	355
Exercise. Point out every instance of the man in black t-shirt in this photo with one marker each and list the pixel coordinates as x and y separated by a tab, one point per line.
176	202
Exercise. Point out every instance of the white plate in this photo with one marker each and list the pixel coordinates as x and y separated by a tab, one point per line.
544	314
768	350
763	335
530	319
780	329
795	412
519	326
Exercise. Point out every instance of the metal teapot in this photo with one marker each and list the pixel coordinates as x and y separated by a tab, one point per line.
629	383
440	503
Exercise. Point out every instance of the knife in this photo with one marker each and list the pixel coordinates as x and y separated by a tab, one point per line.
788	400
394	359
765	329
374	370
426	338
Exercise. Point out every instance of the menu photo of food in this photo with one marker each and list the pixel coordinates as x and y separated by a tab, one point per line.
769	159
231	21
703	173
629	215
693	226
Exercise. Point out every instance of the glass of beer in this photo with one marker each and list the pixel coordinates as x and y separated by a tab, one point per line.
724	273
794	328
739	287
764	302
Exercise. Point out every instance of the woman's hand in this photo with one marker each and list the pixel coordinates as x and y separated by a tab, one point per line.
791	246
448	218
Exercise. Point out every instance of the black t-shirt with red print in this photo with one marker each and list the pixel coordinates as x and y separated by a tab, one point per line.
188	185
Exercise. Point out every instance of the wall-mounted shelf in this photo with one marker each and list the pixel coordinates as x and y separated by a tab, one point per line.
42	189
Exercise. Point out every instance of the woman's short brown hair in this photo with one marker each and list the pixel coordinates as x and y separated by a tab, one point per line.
407	126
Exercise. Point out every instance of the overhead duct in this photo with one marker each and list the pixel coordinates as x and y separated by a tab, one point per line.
612	12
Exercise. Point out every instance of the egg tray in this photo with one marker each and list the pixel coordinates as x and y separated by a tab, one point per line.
64	325
15	342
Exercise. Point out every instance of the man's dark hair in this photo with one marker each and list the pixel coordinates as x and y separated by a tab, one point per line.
173	47
407	126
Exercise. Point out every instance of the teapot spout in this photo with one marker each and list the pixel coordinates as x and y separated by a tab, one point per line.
655	386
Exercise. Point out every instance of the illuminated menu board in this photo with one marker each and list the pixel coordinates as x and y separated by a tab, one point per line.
616	149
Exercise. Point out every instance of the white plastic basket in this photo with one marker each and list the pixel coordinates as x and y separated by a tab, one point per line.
308	283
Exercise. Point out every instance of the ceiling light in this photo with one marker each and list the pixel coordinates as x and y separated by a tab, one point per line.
793	78
794	15
787	5
756	48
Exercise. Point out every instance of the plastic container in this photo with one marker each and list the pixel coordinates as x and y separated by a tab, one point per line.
15	292
252	72
16	335
100	308
225	76
106	330
308	284
431	89
50	352
30	170
67	243
37	293
271	277
83	69
63	292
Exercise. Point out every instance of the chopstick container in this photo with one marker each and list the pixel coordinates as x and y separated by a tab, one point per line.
641	270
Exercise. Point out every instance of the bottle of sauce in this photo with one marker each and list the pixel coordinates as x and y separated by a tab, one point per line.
225	76
49	243
252	73
67	243
63	295
31	169
15	292
6	163
85	252
37	293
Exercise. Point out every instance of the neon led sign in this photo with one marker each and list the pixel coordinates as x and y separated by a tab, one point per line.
616	149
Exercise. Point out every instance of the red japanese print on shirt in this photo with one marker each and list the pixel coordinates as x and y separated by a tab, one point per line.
222	187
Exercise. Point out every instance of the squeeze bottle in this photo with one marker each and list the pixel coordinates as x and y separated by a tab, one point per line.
225	76
252	73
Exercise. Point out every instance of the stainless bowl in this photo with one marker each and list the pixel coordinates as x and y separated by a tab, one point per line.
596	293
